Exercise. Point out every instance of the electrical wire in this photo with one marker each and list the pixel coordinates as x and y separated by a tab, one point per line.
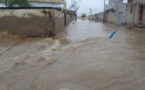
34	31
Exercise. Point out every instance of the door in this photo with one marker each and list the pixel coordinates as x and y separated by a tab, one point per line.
141	13
120	17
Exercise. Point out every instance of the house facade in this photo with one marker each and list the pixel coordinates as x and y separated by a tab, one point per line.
49	3
99	16
115	11
136	12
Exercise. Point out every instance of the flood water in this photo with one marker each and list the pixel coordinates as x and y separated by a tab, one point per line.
81	58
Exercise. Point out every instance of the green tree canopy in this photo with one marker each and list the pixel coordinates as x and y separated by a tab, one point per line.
13	3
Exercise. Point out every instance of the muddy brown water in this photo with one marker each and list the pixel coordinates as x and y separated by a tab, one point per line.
81	58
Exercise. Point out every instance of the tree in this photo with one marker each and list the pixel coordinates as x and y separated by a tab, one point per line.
13	3
83	15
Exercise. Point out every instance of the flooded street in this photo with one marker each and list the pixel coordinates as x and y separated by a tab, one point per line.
81	58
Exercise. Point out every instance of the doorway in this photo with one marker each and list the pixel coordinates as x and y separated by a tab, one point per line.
120	17
141	13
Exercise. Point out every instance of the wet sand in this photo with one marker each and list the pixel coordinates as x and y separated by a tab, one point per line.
81	58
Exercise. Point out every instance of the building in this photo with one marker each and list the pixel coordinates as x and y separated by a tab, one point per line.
99	16
136	12
115	11
45	3
49	3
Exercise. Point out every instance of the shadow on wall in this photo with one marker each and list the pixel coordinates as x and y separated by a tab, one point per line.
32	22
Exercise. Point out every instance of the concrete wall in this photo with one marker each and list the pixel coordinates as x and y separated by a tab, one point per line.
60	21
112	16
121	8
99	16
44	22
136	13
113	10
144	14
129	14
133	17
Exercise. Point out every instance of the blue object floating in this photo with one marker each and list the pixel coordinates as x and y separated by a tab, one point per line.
112	34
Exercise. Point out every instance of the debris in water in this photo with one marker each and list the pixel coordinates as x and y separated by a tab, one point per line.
20	63
50	62
112	34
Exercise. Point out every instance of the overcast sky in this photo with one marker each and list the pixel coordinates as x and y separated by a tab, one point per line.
85	5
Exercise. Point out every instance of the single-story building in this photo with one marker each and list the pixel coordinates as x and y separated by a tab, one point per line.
99	16
115	11
136	12
49	3
45	3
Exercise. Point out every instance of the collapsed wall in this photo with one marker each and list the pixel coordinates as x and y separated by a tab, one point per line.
32	22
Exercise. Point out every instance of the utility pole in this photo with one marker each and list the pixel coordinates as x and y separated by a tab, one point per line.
91	14
104	12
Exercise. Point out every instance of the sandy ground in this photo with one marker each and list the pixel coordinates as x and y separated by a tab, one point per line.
81	58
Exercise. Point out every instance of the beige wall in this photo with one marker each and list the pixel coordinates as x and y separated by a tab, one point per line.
112	16
57	1
133	17
136	13
144	15
59	21
129	15
23	22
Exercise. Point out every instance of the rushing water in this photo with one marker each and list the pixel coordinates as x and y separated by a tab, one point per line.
81	58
